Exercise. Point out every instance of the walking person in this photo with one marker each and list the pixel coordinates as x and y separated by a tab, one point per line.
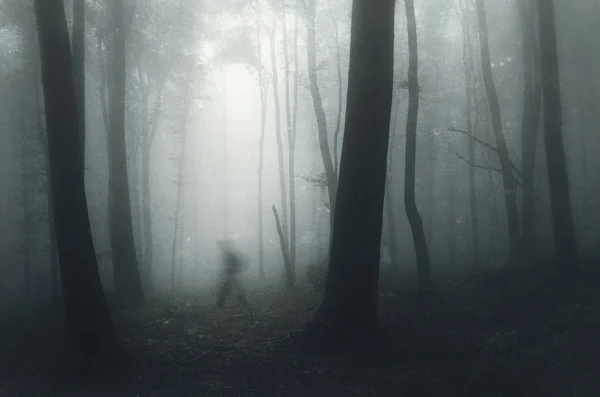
230	282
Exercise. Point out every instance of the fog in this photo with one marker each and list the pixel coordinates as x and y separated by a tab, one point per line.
195	159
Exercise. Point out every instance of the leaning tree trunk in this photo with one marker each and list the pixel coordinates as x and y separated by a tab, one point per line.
347	316
510	196
78	45
560	201
89	323
389	202
412	212
126	274
532	98
311	51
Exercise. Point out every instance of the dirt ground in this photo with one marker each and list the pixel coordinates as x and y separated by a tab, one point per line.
488	336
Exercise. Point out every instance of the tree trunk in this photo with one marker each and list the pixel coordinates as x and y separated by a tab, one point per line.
287	264
90	326
532	97
560	202
262	85
389	202
311	44
78	45
508	182
126	274
338	120
412	212
291	134
347	317
275	81
469	82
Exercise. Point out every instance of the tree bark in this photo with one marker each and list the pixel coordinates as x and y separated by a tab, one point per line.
127	280
510	196
412	212
347	317
560	201
89	323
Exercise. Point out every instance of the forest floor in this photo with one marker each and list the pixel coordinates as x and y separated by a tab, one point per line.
488	336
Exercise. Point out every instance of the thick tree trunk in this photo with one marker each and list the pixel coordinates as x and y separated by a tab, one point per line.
412	212
78	45
91	330
510	196
532	98
347	317
560	201
127	280
311	44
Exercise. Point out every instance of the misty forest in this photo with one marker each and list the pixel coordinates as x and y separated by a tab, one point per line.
299	198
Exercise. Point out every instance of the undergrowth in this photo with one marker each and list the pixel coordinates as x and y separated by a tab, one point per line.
498	334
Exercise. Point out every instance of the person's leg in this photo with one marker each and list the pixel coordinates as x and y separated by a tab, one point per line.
224	290
240	292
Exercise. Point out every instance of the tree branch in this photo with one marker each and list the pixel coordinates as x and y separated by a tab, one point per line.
487	145
487	167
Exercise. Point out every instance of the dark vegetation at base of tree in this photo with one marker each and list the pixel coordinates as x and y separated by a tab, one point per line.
497	334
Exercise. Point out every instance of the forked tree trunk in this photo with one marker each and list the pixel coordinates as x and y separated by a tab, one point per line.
91	330
510	195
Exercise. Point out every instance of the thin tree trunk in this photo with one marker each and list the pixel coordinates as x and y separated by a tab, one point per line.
389	202
469	75
311	44
338	64
287	264
89	322
532	96
508	183
126	274
412	212
560	201
224	134
291	134
262	85
278	135
78	45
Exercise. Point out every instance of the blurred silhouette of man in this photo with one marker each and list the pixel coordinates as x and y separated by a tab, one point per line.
232	267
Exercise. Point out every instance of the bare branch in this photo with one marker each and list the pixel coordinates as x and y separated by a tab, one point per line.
487	145
487	167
